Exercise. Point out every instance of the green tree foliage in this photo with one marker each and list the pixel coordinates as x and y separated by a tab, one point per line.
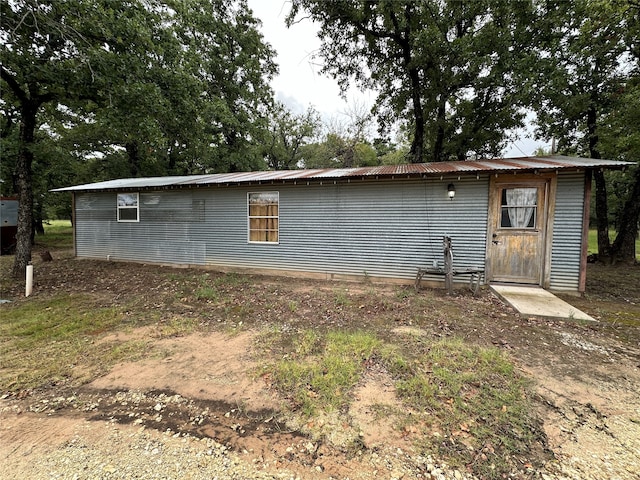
345	142
336	151
287	135
227	54
583	94
45	57
620	140
158	86
192	96
390	152
447	69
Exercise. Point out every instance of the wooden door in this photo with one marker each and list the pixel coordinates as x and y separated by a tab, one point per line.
517	230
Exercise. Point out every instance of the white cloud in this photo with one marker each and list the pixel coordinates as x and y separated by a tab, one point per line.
299	82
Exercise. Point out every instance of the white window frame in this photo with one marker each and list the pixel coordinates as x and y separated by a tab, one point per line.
250	217
128	207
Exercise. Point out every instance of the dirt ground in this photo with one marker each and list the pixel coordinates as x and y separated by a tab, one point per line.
203	384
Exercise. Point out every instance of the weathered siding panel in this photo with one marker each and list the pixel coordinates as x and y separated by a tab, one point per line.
464	219
384	229
567	232
153	239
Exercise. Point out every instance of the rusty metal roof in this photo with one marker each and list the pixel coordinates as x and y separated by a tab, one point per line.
522	164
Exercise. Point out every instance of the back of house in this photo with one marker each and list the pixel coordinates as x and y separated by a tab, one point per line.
522	221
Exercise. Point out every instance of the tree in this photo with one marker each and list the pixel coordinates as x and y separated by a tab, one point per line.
192	93
183	83
345	142
584	71
446	68
391	153
287	134
620	140
45	57
336	151
226	53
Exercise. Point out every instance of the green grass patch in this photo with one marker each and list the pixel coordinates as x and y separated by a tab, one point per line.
207	289
477	407
51	341
58	318
219	288
593	241
322	369
232	279
58	234
342	298
207	293
468	403
178	327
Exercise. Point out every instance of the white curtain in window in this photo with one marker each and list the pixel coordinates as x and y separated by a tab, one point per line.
522	203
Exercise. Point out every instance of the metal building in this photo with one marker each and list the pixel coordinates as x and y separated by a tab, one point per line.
8	224
520	220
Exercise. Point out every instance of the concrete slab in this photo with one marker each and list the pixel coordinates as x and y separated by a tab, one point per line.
535	301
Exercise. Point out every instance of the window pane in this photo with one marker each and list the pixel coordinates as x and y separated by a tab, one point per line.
130	214
264	197
257	210
523	213
127	205
258	224
519	208
256	236
127	199
273	234
263	217
263	229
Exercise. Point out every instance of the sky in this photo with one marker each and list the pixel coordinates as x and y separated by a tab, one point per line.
300	84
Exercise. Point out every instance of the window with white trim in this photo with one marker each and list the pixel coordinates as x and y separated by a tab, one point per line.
263	218
128	204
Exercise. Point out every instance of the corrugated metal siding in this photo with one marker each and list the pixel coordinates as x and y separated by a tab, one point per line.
384	229
464	219
567	232
161	236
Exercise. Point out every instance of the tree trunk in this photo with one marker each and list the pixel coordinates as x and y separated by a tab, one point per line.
171	160
402	37
602	217
438	144
134	157
23	175
624	246
38	225
602	209
417	146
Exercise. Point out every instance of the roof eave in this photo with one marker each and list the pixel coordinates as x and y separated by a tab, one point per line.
526	165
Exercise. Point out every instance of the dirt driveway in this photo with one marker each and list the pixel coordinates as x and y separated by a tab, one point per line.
196	408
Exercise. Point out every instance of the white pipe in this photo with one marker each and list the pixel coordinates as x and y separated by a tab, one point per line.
29	287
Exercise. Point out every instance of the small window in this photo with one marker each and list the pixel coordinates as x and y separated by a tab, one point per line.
128	207
263	217
519	208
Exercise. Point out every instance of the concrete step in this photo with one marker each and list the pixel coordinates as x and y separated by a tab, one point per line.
537	302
